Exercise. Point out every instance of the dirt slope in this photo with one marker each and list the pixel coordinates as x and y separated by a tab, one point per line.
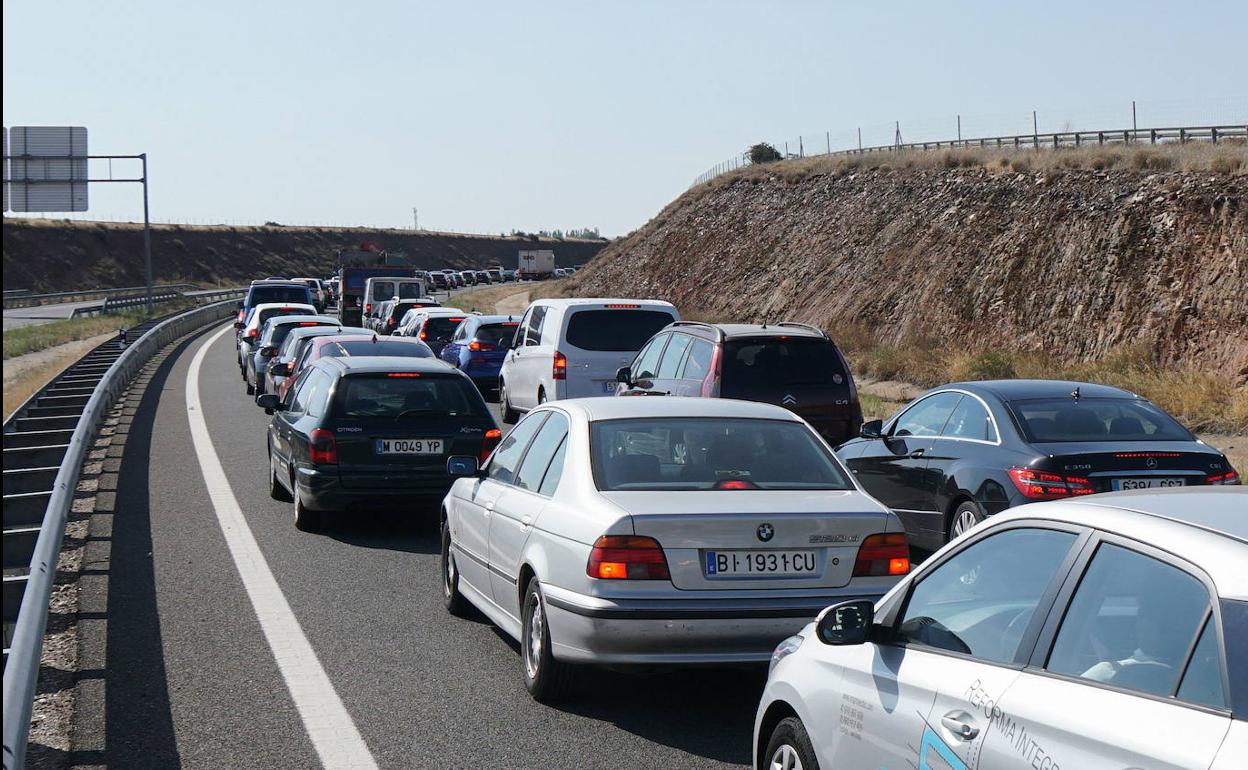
1077	263
51	255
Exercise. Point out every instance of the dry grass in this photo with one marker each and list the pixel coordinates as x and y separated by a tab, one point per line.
29	339
27	374
1203	400
485	300
1228	157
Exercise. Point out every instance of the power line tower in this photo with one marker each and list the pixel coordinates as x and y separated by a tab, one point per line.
415	219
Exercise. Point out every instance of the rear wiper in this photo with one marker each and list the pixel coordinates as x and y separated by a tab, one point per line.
407	412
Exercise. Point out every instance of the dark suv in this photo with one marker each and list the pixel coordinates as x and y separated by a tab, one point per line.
373	431
790	364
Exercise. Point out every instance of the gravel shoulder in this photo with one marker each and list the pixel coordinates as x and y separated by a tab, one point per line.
27	373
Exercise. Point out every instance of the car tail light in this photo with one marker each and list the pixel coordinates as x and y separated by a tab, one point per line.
488	442
619	306
1044	485
391	322
323	448
308	323
251	333
560	370
368	307
884	554
627	557
1230	477
477	345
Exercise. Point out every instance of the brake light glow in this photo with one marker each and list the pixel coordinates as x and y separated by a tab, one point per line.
477	345
560	369
1230	477
323	450
403	374
308	323
622	307
1044	485
252	332
735	484
368	307
488	442
883	554
627	557
1148	454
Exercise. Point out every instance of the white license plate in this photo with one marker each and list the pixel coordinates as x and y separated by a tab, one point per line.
608	386
1147	483
408	446
763	563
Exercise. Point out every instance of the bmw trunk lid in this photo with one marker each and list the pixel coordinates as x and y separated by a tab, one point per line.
755	539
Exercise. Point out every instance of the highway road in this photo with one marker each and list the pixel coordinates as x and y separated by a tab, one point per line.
17	317
190	674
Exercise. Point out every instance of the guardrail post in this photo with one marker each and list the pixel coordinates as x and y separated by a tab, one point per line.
1213	135
1182	136
1152	135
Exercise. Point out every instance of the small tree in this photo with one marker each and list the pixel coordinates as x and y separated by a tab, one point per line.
763	153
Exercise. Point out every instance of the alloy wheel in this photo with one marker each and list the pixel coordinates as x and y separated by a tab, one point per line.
966	520
785	758
533	646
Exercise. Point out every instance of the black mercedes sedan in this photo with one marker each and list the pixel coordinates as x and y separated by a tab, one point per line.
967	450
373	431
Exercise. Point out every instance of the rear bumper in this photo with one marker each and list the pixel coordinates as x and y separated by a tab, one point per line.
323	491
702	631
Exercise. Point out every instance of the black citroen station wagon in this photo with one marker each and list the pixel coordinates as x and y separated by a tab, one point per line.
967	450
374	431
788	364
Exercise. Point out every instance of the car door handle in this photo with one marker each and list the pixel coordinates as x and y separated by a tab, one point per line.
916	454
525	521
489	506
959	723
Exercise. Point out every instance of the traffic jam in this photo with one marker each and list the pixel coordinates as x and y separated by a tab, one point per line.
1002	574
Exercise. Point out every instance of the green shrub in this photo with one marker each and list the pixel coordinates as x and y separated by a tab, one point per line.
764	153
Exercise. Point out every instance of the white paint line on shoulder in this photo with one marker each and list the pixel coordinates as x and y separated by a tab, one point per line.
333	733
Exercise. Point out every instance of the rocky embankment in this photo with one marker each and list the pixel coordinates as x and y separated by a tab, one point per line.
1076	263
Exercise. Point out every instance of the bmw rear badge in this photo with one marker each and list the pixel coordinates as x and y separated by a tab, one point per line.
766	532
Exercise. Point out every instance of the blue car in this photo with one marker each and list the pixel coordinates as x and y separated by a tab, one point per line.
479	346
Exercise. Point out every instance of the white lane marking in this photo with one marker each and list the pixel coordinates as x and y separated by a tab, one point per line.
333	733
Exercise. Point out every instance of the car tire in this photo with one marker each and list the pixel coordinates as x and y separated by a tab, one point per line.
454	601
306	519
251	389
965	516
546	679
510	416
276	490
789	747
541	397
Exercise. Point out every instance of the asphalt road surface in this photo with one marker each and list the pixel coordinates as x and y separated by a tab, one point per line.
191	678
18	317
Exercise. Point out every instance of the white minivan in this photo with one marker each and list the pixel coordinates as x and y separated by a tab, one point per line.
572	348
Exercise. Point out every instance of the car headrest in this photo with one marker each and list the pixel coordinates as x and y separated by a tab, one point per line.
632	469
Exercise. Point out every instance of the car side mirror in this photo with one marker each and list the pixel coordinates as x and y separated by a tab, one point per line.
846	623
624	376
238	324
462	466
872	429
239	305
268	351
280	369
270	402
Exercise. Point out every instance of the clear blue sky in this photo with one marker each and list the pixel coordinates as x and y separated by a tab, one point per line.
489	116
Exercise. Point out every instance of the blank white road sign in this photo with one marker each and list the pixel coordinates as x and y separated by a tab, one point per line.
48	168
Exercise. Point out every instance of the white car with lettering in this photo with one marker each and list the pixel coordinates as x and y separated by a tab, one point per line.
1106	631
654	531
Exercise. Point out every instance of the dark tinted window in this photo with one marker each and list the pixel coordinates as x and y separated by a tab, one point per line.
500	335
382	347
314	395
400	309
771	362
927	417
648	360
681	454
382	291
278	312
1130	623
410	291
384	395
262	294
543	448
980	601
614	329
280	331
441	327
1096	419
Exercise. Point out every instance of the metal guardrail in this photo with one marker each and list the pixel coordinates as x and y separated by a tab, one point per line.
1056	140
31	592
30	300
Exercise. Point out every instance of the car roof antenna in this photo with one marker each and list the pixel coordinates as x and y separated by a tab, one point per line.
1075	393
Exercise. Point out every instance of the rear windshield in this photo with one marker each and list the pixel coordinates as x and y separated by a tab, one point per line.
382	347
383	290
410	291
614	329
277	312
383	395
500	334
694	454
1096	419
401	308
777	362
442	327
280	332
261	294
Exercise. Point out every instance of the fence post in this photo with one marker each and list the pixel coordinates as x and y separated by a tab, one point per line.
828	136
1213	134
1152	135
1182	136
